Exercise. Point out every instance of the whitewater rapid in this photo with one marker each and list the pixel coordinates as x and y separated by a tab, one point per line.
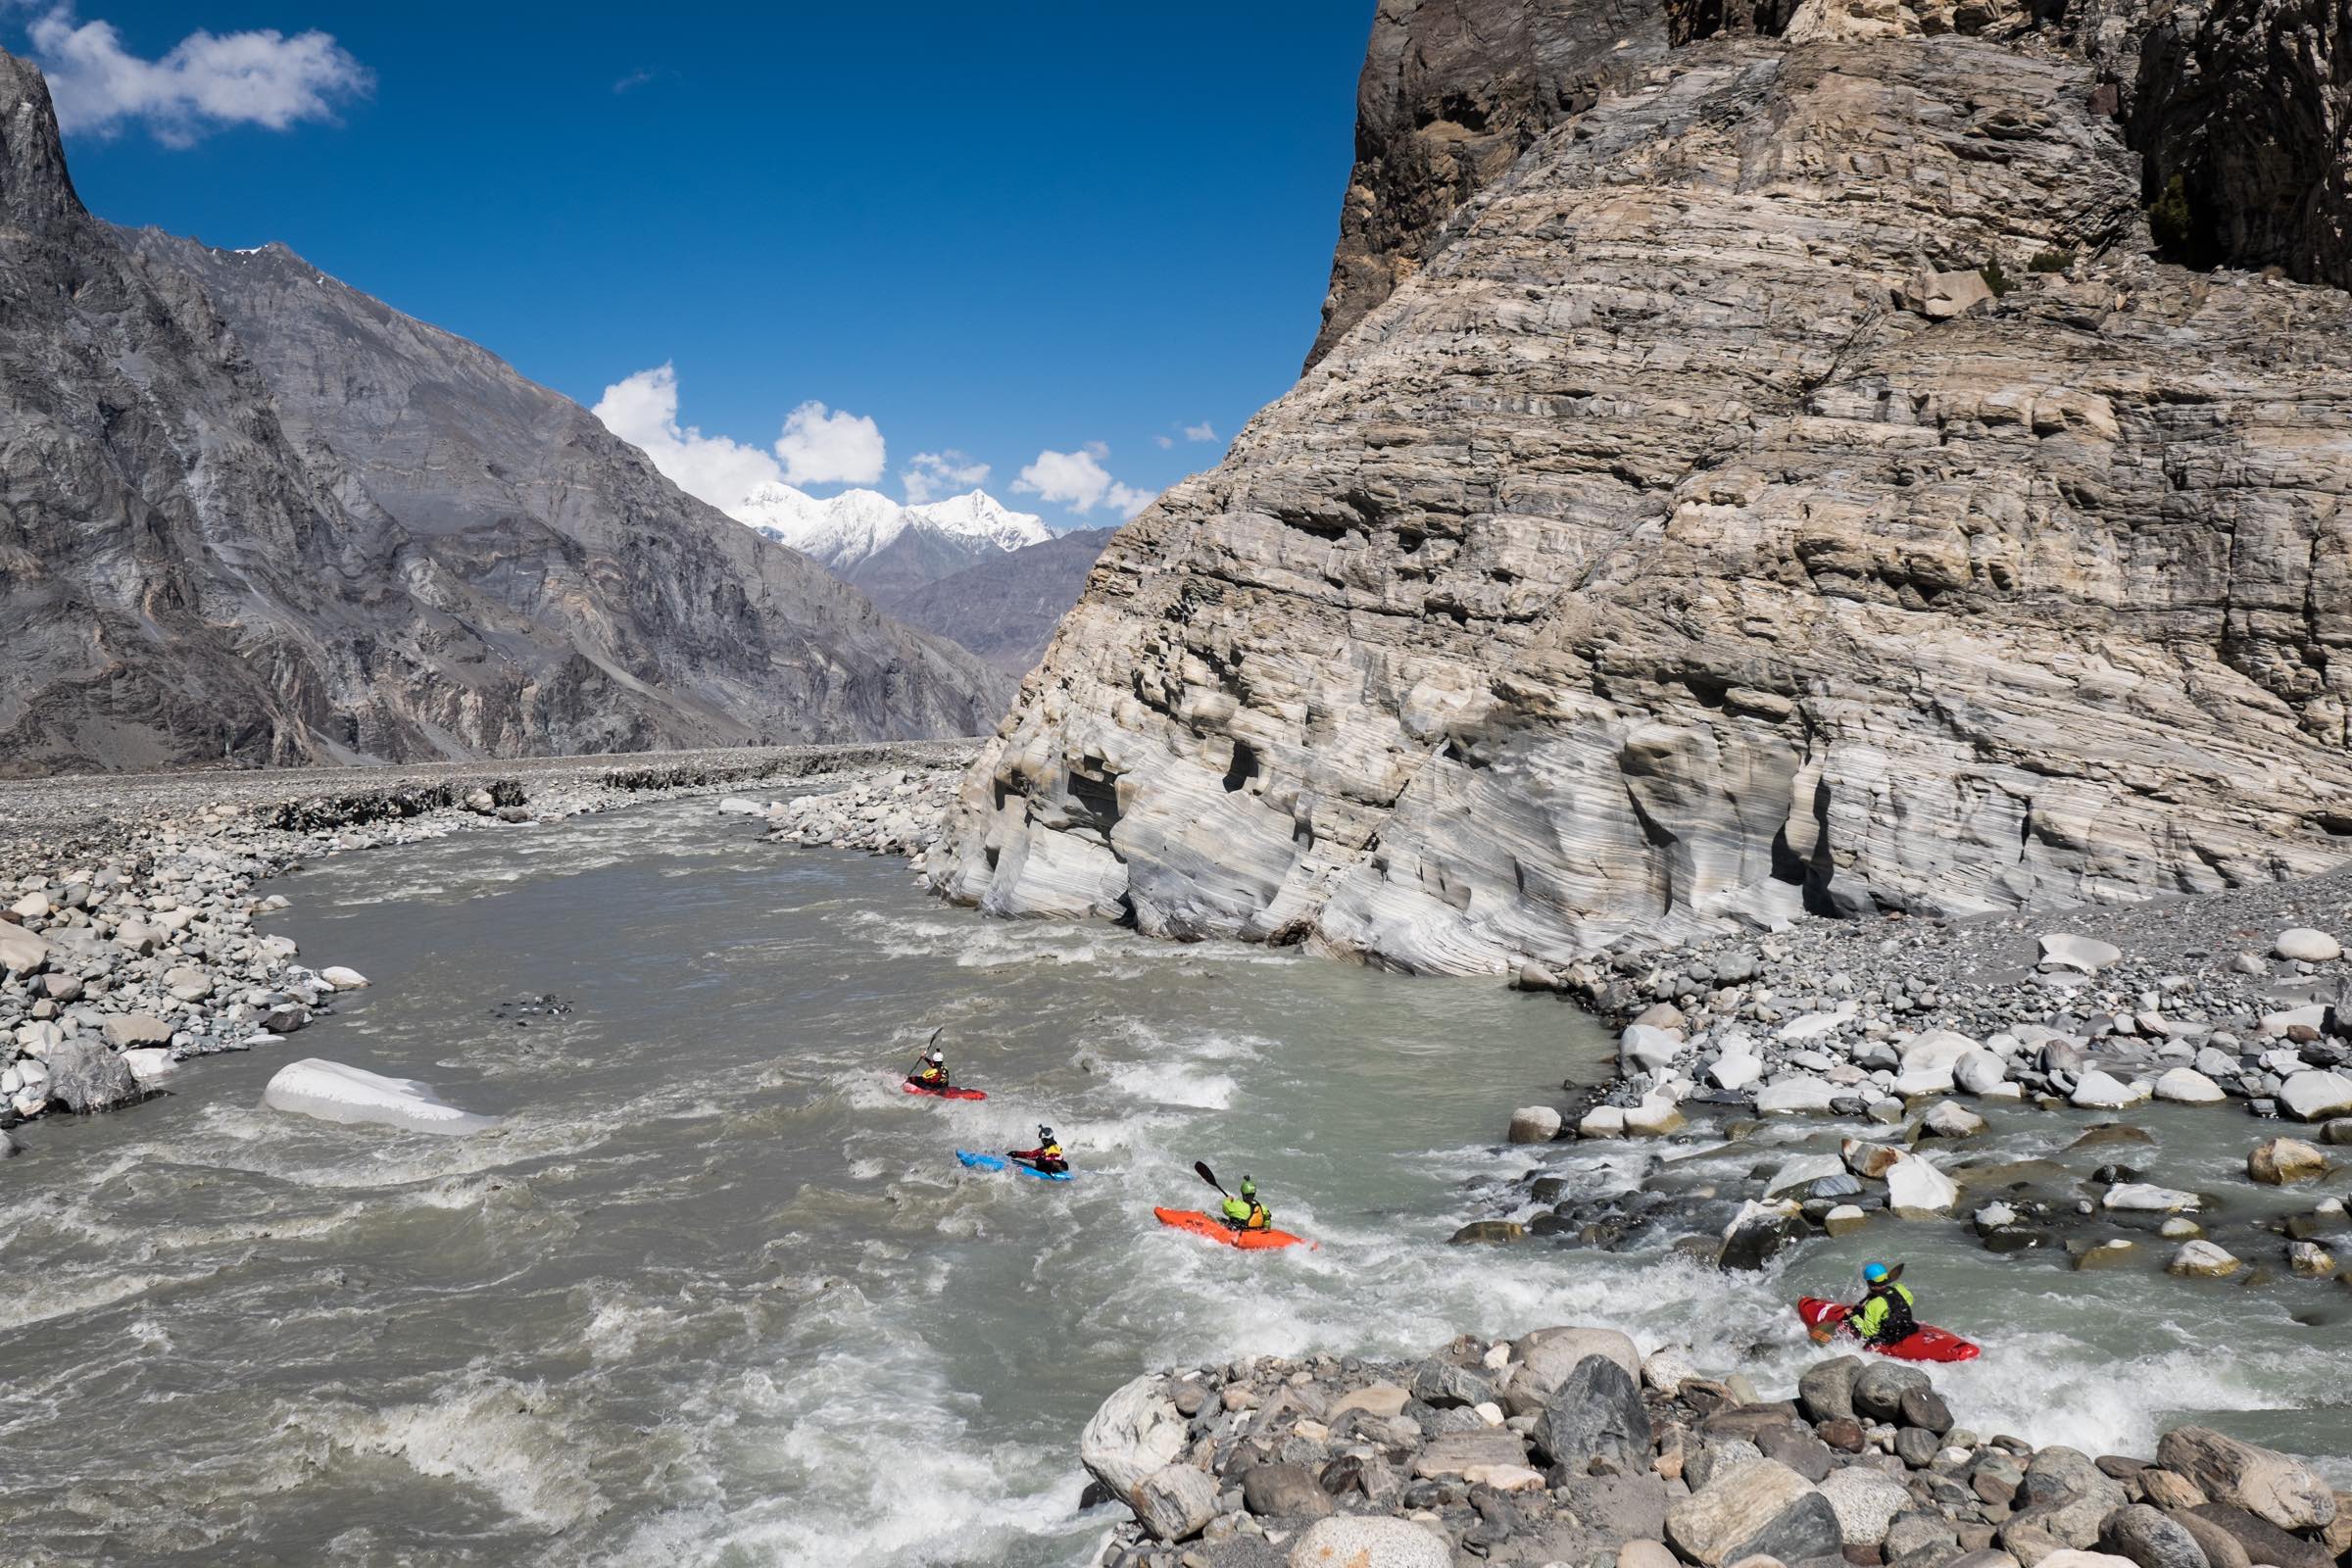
716	1291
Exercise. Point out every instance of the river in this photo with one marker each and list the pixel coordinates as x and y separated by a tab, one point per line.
716	1291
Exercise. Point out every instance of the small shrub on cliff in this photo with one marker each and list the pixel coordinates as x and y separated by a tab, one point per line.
2169	220
1994	279
2051	261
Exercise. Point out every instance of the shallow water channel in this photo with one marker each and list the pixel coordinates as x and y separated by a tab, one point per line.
717	1292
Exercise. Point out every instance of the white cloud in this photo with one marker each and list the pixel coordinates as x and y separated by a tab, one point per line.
818	447
1200	432
933	474
643	411
822	447
1079	481
208	80
1164	442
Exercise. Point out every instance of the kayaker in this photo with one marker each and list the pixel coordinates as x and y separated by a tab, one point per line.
1884	1314
931	1071
1046	1156
1246	1212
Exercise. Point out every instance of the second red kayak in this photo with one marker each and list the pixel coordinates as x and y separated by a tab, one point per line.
1216	1230
944	1093
1923	1343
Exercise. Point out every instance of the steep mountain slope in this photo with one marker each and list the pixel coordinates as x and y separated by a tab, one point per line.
1006	608
1790	485
248	513
886	549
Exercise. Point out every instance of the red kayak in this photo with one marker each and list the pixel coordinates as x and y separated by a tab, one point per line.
1923	1343
1216	1230
944	1093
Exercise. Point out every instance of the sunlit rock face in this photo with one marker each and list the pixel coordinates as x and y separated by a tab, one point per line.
1793	484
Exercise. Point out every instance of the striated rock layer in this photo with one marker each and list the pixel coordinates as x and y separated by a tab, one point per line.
248	513
1792	486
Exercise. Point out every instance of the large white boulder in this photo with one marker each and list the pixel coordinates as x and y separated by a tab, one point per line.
1980	1072
2316	1096
1645	1047
333	1091
343	979
2312	947
1916	1190
1133	1436
2186	1086
2085	953
1365	1540
2103	1091
1797	1094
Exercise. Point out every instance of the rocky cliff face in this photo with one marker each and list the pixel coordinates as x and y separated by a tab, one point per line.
1790	485
248	513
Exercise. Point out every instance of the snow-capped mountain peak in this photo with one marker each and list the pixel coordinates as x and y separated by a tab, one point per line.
843	531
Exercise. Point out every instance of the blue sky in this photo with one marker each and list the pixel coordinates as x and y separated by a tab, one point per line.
998	230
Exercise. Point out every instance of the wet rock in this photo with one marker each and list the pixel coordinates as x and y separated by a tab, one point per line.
2309	1260
2203	1260
1134	1434
1533	1124
1924	1407
86	1077
2280	1161
1918	1190
2273	1486
2141	1198
1950	1120
1488	1233
1758	1233
343	979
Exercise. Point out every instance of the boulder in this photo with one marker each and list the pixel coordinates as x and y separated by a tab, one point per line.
22	951
1802	1170
84	1077
2102	1091
1879	1387
1759	1508
2263	1541
1797	1094
2186	1086
2279	1161
1864	1502
1595	1413
2316	1096
1758	1232
1980	1072
1453	1453
1362	1541
2203	1260
343	979
148	1064
2222	1548
2087	955
333	1091
2270	1486
132	1029
1176	1500
2142	1198
1646	1049
1949	1120
1382	1399
1871	1162
2144	1536
2068	1557
1546	1356
1646	1554
1533	1124
1918	1190
1654	1117
2307	946
1825	1391
1283	1492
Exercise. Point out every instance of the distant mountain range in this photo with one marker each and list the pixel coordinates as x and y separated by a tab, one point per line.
968	568
250	513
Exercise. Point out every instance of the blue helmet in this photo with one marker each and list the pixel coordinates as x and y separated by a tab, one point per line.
1875	1273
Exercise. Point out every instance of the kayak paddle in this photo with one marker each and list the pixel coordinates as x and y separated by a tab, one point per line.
1200	1169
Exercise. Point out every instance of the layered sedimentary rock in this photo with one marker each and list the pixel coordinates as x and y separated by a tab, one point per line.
248	513
1792	485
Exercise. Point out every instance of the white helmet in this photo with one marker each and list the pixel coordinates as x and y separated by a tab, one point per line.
938	1055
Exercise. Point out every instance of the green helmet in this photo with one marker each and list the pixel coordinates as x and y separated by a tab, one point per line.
1249	1186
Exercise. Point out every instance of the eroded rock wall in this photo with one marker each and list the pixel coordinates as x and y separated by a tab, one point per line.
1792	486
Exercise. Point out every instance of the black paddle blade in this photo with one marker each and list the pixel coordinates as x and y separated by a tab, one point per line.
1202	1170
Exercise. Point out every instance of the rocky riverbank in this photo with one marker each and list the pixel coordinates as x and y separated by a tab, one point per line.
129	942
890	811
1568	1445
1881	1052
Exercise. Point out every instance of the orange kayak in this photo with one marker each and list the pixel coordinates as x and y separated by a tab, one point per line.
1216	1230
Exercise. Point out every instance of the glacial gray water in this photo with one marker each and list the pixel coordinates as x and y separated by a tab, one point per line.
718	1292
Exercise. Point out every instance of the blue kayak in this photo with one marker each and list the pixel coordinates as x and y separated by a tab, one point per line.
996	1162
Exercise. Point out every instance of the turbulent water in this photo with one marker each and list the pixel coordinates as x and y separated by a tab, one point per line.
717	1292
